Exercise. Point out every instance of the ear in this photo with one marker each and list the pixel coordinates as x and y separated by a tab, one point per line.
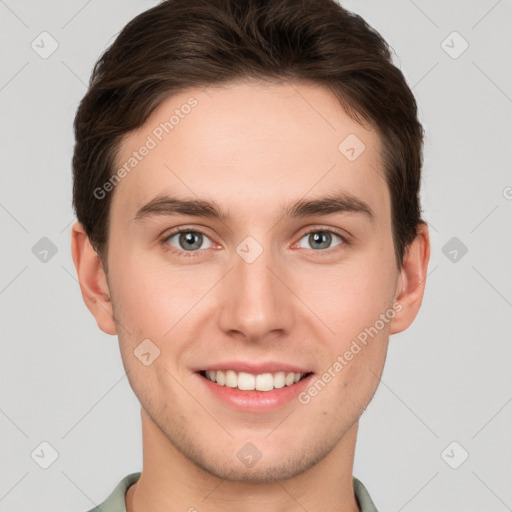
411	281
92	279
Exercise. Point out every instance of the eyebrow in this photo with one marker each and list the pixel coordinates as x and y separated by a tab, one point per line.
341	202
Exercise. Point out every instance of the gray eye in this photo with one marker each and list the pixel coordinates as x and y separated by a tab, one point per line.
319	239
189	240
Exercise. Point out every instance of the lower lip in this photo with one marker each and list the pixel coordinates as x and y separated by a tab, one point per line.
256	401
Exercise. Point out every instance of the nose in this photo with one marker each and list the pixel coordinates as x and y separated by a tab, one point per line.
256	303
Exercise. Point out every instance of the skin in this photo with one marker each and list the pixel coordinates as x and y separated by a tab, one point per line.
253	148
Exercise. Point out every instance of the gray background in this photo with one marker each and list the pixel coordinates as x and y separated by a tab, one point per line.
448	378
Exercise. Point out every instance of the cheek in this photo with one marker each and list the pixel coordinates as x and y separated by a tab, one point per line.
347	299
155	299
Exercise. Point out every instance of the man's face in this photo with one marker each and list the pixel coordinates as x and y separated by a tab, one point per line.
256	290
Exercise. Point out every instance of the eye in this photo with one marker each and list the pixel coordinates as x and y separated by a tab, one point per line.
188	240
320	239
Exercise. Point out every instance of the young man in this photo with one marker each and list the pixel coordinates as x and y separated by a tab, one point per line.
246	183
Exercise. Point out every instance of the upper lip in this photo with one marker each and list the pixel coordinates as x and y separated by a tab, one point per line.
255	368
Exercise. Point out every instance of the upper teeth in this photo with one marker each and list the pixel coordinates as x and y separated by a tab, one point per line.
250	382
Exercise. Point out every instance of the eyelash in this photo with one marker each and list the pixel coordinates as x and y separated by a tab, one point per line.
188	254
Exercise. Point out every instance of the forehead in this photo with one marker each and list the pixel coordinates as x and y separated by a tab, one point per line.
250	144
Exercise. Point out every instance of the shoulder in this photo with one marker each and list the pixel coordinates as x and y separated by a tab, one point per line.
115	501
364	500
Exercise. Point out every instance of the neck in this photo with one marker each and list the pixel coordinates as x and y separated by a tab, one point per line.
170	481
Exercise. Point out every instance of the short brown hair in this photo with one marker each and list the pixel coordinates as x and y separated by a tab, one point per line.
180	44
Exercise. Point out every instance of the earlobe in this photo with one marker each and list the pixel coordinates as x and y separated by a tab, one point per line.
92	279
411	282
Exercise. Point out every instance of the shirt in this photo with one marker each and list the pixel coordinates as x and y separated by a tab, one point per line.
116	501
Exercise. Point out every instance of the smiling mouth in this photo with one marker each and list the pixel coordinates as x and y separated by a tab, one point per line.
250	382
